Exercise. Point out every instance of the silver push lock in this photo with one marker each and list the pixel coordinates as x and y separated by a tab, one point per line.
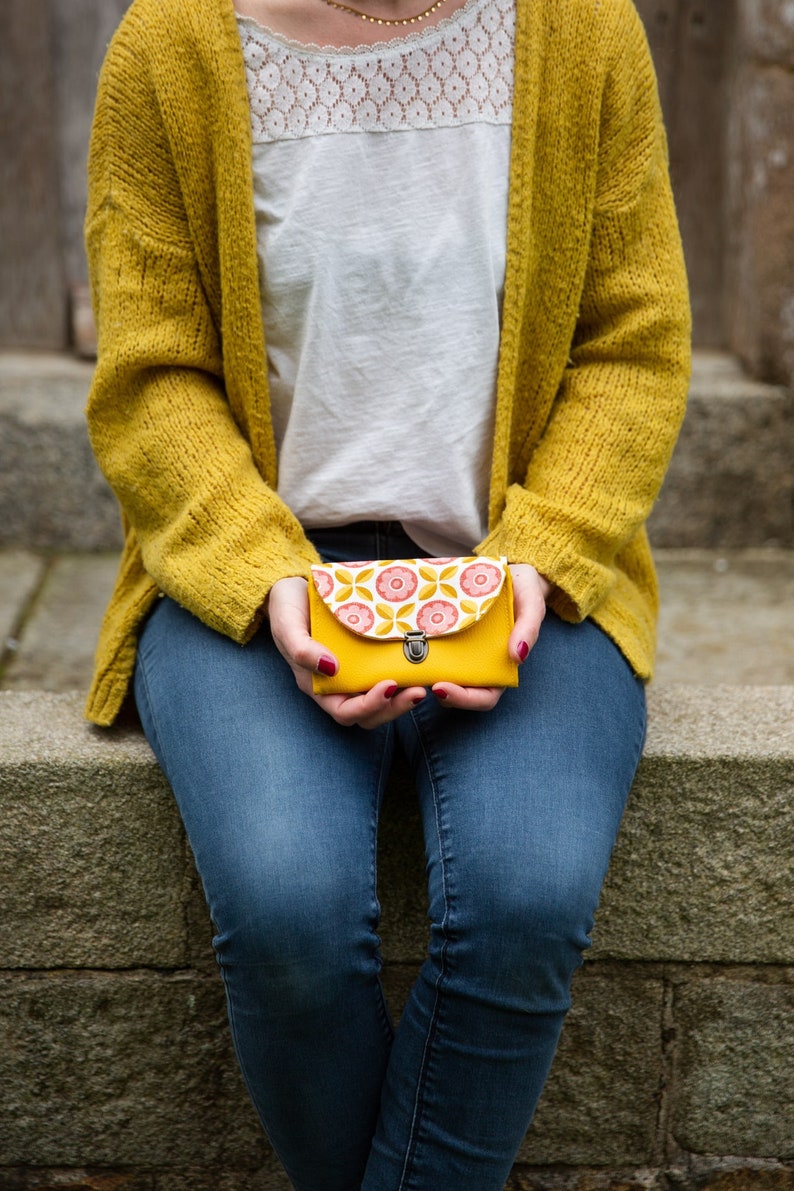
415	645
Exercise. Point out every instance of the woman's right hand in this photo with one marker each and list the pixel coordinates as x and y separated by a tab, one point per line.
287	609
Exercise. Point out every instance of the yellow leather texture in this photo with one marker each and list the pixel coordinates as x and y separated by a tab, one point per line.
474	656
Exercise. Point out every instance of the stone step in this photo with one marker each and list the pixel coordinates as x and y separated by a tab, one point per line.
731	483
675	1064
726	617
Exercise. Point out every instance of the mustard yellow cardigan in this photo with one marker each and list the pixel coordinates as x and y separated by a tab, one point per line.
594	356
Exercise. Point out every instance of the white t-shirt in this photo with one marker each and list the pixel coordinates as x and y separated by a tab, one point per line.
380	189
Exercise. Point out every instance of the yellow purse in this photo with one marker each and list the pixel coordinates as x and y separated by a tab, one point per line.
417	621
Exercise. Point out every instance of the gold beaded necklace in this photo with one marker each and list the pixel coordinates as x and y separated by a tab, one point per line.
383	20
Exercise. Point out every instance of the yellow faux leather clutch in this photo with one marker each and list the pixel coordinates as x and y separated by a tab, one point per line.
417	621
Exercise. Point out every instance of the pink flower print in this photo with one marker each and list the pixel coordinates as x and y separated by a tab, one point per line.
439	616
480	579
324	583
396	584
439	562
357	617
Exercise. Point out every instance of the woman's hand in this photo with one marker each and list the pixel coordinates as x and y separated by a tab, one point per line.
530	592
288	611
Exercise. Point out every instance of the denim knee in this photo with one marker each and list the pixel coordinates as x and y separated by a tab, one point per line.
301	943
516	940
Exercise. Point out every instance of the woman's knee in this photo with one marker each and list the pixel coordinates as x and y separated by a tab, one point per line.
519	938
301	942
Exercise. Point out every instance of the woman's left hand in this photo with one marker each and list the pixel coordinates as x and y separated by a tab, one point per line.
530	592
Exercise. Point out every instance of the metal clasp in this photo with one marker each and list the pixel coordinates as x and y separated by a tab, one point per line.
415	645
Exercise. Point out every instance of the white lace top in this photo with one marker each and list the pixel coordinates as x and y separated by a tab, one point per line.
380	184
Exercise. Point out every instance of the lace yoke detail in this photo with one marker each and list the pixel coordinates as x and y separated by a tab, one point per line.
458	72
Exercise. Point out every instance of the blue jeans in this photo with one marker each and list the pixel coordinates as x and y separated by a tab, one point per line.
520	807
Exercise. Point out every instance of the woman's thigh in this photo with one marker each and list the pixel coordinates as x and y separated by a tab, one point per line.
279	803
521	805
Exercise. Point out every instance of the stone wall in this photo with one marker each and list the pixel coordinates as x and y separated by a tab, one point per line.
675	1071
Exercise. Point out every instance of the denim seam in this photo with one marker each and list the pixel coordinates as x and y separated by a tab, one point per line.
386	755
413	1135
160	750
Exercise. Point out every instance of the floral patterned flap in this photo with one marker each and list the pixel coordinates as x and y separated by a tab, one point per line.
388	598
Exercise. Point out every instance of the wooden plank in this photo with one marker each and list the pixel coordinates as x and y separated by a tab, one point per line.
691	41
32	287
82	30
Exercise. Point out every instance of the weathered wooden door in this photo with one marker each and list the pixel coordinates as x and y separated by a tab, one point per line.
691	42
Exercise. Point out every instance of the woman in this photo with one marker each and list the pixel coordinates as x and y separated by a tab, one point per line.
373	282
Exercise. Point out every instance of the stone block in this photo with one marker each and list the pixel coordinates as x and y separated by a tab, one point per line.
93	863
600	1105
726	617
124	1070
52	495
552	1179
20	574
734	1077
56	650
739	1177
77	1180
730	482
704	865
269	1177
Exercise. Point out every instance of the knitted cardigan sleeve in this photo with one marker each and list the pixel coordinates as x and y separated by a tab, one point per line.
211	530
592	477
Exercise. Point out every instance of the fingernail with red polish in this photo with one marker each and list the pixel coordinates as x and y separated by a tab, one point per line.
418	699
391	691
523	650
327	666
441	694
